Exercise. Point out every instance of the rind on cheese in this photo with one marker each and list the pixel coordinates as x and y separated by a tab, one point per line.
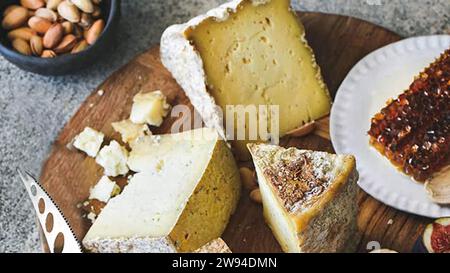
247	53
215	246
186	188
309	198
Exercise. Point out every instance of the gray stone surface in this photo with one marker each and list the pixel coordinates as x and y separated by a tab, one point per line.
34	108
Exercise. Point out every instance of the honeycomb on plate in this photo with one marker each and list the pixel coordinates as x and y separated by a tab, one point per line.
413	131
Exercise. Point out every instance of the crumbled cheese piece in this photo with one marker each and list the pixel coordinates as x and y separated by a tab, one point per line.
149	108
113	158
89	141
101	92
103	190
129	130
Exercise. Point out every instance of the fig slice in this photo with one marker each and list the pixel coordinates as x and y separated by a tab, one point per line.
438	187
436	237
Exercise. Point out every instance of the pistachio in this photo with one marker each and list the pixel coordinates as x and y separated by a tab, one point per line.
9	9
38	24
84	5
81	46
53	36
24	33
32	4
78	31
94	31
47	14
248	178
15	18
21	46
97	12
68	27
86	20
303	130
36	45
53	4
255	196
67	44
48	54
69	11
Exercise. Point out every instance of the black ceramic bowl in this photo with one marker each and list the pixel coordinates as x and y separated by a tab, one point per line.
69	63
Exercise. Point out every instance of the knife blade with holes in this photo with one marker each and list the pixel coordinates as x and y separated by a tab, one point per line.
60	237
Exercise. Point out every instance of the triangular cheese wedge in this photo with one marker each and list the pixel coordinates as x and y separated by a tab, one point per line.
186	188
309	198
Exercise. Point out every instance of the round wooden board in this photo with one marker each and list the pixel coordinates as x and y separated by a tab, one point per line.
339	43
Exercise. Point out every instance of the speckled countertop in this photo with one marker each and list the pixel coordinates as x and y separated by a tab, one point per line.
34	108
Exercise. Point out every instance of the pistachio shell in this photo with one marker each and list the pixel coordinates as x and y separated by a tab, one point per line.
81	46
9	9
66	45
32	4
95	31
24	33
84	5
86	20
53	4
15	18
304	130
38	24
68	27
255	196
48	54
97	12
69	11
21	46
47	14
53	36
36	45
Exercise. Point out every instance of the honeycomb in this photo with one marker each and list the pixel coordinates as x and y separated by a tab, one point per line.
413	131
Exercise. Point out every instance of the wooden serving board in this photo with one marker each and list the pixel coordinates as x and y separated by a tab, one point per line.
338	42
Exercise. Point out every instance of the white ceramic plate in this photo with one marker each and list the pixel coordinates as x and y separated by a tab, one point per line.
381	75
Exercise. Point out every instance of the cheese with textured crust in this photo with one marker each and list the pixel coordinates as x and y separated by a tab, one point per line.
309	198
247	53
182	197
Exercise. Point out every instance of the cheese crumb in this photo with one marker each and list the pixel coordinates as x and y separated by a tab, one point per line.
89	141
101	92
130	131
149	108
113	158
103	190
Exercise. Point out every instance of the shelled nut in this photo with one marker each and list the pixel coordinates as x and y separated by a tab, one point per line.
15	18
53	36
32	4
24	33
38	24
48	54
94	31
66	45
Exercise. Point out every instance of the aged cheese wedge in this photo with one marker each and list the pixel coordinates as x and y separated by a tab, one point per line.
187	187
309	198
247	52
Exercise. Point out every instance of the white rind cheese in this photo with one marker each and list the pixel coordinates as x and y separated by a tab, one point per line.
89	141
113	158
182	197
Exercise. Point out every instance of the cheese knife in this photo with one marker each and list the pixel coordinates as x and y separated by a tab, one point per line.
60	238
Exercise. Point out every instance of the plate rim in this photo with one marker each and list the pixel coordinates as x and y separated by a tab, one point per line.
370	186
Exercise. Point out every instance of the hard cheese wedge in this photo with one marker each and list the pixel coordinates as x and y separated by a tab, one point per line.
247	52
186	188
309	198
